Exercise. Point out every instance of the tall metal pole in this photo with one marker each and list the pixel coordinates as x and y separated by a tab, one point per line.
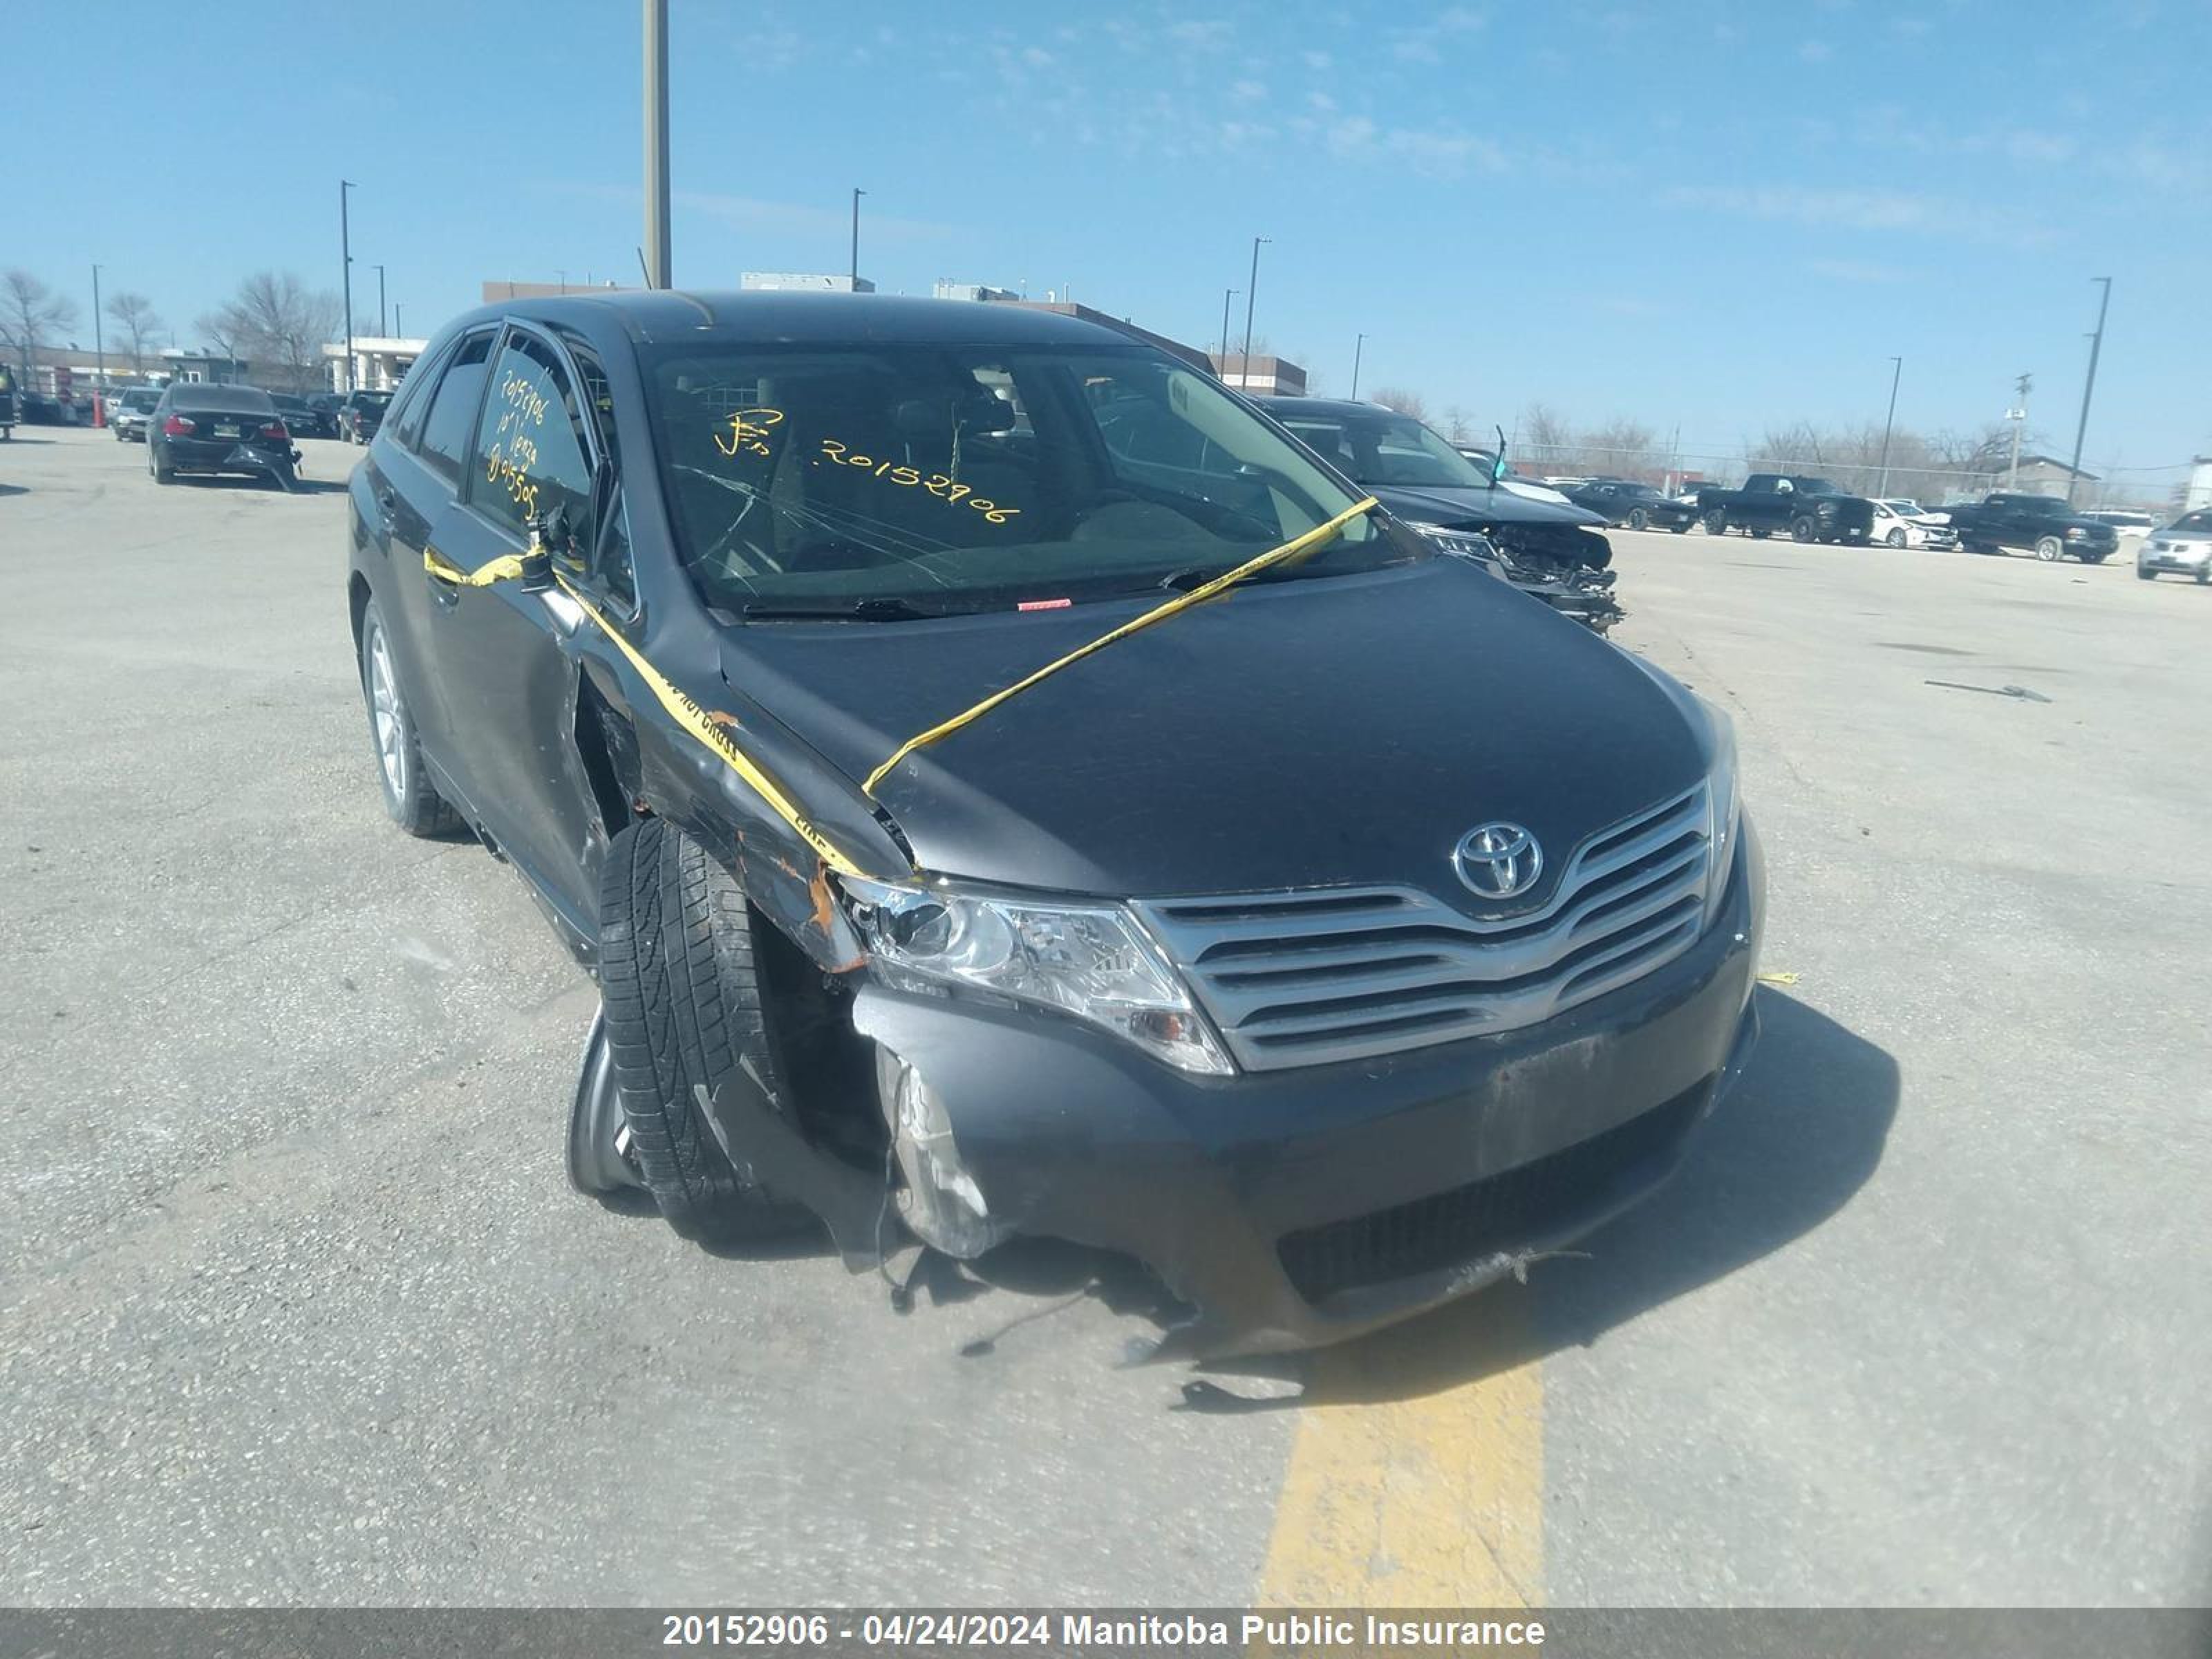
857	194
99	356
1895	375
2096	345
396	324
656	144
1251	294
382	319
1227	293
1357	346
345	247
2018	419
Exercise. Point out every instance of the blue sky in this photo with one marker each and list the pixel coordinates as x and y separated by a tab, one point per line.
1708	216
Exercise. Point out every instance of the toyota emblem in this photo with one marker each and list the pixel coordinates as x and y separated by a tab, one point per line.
1498	860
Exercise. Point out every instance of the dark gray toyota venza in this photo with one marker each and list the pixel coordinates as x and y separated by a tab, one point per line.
1005	786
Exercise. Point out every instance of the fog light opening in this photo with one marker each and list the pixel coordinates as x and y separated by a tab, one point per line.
941	1203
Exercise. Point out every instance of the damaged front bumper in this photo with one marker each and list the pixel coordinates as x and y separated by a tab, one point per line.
1295	1208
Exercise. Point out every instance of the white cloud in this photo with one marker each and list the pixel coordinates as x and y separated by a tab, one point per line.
1864	210
1200	34
1854	270
1247	92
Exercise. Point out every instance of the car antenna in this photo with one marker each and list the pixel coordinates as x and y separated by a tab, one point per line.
1497	465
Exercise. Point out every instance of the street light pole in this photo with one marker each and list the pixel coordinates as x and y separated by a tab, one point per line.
99	356
1227	293
2019	418
1895	375
656	144
345	248
1357	346
381	320
396	325
1251	294
2096	345
857	194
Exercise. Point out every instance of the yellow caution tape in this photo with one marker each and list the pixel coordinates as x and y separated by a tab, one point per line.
1296	548
681	708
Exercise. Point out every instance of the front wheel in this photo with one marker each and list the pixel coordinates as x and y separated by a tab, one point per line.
1895	538
1803	529
409	797
1638	519
1717	524
2049	548
686	1013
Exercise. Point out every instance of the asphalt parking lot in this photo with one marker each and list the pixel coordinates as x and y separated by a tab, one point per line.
295	1305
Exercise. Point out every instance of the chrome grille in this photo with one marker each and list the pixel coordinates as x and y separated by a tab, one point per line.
1303	976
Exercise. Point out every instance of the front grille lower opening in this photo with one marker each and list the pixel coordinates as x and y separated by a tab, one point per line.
1505	1211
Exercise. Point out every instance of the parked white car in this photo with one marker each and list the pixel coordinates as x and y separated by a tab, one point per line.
1900	523
2184	546
2128	523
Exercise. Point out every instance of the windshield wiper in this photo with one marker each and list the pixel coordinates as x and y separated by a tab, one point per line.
1197	575
868	609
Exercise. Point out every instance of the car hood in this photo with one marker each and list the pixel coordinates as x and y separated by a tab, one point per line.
1316	732
1460	509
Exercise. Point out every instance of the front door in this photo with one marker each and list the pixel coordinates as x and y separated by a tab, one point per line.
510	671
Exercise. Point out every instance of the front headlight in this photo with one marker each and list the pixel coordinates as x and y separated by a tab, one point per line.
1724	810
1092	961
2074	533
1462	543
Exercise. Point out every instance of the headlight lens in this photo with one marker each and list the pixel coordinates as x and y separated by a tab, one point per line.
1091	961
2074	533
1464	544
1724	807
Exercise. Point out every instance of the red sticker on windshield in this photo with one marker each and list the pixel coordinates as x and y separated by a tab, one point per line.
1043	604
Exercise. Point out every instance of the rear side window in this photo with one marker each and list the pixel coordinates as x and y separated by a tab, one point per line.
530	457
445	444
412	401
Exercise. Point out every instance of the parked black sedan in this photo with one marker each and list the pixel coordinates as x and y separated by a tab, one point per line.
304	419
994	775
216	429
1629	505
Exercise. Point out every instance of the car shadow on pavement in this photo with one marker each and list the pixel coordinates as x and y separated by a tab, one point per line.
1802	1131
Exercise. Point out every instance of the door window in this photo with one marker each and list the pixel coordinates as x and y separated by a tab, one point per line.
530	457
445	444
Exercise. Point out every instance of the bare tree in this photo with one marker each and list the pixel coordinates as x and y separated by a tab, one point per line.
1544	435
1456	425
1402	401
1624	448
279	326
135	315
30	312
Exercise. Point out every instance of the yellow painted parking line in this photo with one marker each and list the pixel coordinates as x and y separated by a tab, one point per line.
1417	1475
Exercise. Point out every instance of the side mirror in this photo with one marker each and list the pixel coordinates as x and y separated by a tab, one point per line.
550	536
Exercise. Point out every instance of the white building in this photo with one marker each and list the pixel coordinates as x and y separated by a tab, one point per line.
799	282
2198	497
378	362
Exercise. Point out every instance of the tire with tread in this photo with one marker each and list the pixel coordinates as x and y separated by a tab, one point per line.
1803	530
684	1009
2049	548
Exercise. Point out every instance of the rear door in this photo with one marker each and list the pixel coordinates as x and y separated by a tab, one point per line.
510	677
